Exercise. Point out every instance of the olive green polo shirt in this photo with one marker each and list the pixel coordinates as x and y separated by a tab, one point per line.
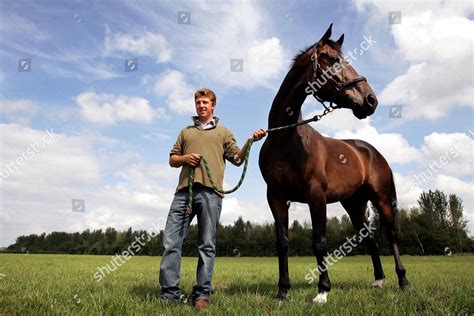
216	143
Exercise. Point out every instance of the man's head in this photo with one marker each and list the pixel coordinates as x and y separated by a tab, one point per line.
205	102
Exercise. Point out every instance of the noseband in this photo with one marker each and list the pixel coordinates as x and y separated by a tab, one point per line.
339	86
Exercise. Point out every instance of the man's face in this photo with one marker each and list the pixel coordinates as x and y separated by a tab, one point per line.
204	107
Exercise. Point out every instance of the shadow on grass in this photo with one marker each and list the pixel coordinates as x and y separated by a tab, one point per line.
271	288
262	288
147	292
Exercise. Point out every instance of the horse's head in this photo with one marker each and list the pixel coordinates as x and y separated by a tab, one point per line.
329	77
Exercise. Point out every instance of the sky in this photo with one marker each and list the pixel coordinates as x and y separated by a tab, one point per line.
93	95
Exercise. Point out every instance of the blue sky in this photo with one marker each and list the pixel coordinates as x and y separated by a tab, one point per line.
114	128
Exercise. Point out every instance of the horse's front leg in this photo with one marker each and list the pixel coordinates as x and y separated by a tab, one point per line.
317	207
279	208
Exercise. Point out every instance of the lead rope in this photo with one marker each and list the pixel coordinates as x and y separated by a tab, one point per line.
246	159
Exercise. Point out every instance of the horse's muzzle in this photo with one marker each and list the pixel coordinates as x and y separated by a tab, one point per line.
371	101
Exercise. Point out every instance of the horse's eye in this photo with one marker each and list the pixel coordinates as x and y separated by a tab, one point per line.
334	59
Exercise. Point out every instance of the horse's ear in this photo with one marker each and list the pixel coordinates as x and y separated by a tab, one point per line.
326	35
340	40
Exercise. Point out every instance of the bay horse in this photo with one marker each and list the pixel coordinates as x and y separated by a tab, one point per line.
301	165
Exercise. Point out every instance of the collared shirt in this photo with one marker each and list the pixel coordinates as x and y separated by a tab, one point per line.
207	125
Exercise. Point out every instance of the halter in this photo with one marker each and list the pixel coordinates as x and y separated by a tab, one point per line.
339	86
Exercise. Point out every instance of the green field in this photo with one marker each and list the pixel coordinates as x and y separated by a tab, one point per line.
59	284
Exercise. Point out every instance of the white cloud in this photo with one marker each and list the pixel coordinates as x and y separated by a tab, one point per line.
450	152
408	191
146	44
139	175
263	60
16	27
434	39
157	136
10	107
110	109
45	157
179	93
337	121
430	91
18	111
232	208
452	185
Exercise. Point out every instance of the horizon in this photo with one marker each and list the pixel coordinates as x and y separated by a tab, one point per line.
93	96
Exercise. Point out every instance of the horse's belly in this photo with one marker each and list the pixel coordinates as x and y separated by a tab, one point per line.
341	188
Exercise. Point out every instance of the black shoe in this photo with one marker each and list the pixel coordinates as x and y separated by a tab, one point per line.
174	300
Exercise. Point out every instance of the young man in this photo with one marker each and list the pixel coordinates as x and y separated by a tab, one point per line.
216	143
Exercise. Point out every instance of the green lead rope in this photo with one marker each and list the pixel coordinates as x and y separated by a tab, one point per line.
246	159
214	185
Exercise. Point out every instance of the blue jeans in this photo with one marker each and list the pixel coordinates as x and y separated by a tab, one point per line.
207	205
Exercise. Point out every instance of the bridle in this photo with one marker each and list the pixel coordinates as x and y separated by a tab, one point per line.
339	86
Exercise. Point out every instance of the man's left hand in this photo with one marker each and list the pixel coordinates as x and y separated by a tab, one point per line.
259	134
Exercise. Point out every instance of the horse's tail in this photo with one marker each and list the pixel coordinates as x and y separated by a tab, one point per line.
393	196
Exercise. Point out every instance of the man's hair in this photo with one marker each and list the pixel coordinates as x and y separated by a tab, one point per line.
204	92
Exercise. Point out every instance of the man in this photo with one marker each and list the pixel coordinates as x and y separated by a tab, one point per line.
216	143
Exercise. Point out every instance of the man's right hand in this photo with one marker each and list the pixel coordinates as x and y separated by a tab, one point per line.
192	159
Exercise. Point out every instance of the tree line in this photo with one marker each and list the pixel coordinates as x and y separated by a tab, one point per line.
435	227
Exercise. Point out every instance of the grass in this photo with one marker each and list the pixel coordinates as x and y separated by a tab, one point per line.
64	284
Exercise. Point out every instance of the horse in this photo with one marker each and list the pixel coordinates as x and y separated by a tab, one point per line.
300	165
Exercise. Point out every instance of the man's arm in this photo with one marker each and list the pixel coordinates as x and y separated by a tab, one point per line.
239	159
177	161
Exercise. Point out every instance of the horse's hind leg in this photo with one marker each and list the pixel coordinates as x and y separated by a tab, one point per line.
279	209
356	206
387	211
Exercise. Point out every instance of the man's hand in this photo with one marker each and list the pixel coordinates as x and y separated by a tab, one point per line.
258	135
239	158
177	161
192	159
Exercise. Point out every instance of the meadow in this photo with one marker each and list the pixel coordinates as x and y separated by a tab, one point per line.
64	284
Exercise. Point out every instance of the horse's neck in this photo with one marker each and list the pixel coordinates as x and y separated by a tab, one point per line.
286	107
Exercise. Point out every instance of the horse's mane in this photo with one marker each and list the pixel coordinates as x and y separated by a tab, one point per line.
330	42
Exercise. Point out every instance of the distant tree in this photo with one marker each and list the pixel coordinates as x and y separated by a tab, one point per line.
300	241
110	241
457	221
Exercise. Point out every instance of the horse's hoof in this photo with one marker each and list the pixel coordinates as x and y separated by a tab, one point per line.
321	298
378	284
282	296
405	285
